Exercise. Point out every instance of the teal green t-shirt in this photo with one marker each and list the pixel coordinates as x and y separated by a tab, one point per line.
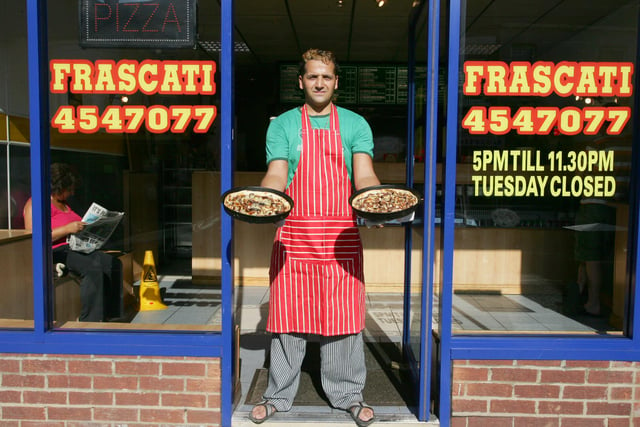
284	137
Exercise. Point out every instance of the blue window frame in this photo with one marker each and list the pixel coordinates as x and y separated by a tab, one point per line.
43	339
505	347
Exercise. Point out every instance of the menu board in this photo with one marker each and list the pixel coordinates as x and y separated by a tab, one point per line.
347	92
290	92
359	84
377	85
402	85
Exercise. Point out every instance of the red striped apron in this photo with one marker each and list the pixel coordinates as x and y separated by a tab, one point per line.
317	280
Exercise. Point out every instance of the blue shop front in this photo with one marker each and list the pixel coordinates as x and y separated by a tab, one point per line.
509	296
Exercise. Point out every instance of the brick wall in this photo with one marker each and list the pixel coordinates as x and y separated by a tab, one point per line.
93	391
522	393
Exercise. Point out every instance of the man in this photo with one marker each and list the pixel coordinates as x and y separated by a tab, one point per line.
318	153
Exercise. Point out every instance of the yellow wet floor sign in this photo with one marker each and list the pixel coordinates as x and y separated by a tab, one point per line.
150	298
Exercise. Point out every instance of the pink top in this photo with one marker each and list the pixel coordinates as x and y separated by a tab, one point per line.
60	218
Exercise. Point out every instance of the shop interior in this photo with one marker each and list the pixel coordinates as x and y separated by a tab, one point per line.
168	184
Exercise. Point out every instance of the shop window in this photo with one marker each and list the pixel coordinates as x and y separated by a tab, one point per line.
544	164
133	103
16	306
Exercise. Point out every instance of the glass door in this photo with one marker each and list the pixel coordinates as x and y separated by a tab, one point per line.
421	174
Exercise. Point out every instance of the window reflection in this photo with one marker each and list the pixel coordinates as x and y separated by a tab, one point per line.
135	115
16	306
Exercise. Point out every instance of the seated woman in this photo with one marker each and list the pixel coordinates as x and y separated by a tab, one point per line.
97	270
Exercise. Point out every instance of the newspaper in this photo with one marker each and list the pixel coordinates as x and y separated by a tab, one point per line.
100	224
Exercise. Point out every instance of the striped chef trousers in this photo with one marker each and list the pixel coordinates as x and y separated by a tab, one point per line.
343	370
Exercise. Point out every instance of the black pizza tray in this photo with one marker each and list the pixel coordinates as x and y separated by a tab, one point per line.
386	216
257	219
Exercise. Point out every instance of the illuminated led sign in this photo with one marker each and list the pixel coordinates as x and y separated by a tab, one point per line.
137	23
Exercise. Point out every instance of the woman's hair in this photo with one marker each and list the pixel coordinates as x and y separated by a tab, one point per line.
63	177
326	56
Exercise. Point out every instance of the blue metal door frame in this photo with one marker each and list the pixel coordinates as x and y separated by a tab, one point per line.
421	366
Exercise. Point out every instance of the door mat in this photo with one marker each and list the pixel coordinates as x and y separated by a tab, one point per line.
387	384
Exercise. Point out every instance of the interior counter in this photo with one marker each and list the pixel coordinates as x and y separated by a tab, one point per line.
486	259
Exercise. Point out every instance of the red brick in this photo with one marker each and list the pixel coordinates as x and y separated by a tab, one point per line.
41	424
489	421
582	422
197	416
469	405
604	408
10	365
458	422
621	393
45	397
489	389
213	370
512	406
23	413
551	363
65	381
115	383
514	375
57	413
587	364
115	414
184	369
162	415
213	401
10	396
557	376
622	364
44	366
618	422
584	392
537	391
27	381
161	384
202	385
470	374
86	424
90	398
183	400
137	368
491	363
90	367
138	399
535	422
609	377
560	407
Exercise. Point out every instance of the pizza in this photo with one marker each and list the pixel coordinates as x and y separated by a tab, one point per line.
256	203
384	200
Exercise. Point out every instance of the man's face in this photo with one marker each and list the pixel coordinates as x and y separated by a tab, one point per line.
319	82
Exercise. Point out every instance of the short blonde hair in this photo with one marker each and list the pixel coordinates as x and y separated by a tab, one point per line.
326	56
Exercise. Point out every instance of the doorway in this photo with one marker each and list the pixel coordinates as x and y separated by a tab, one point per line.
394	301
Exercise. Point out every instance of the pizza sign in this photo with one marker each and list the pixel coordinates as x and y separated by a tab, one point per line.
137	23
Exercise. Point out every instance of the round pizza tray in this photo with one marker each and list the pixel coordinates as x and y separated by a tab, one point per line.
385	216
254	219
